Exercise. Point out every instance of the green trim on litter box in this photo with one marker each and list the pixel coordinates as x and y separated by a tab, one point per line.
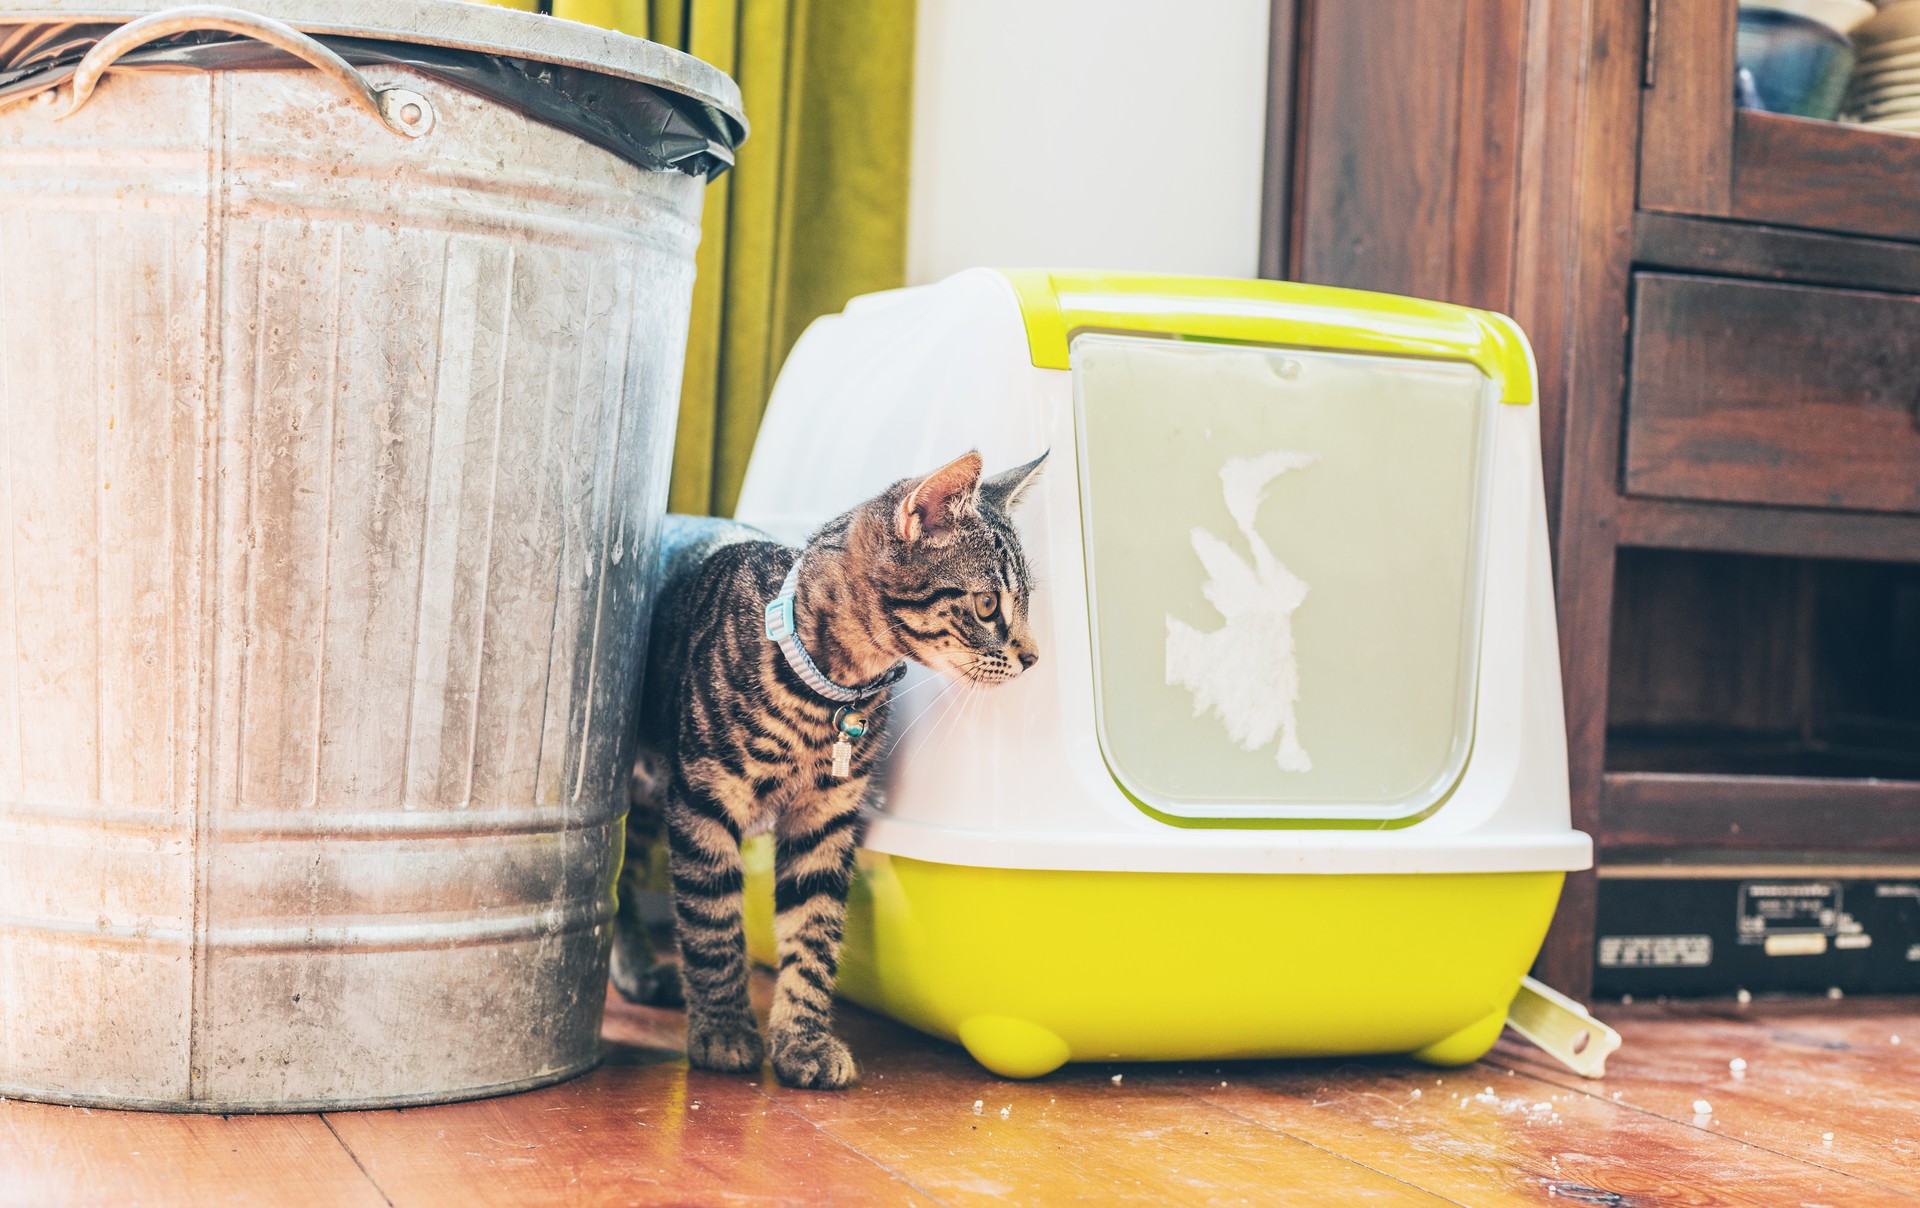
1058	305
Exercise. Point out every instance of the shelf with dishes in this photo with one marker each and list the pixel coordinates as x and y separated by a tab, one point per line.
1845	60
1798	114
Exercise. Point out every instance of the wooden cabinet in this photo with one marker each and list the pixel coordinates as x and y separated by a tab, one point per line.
1700	156
1750	392
1725	310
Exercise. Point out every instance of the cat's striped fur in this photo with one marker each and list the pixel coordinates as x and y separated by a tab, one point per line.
733	742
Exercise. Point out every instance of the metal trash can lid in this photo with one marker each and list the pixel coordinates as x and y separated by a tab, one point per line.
491	34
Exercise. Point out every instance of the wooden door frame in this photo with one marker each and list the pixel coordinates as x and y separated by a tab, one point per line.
1284	31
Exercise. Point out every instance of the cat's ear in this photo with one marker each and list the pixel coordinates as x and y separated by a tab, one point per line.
1005	490
935	504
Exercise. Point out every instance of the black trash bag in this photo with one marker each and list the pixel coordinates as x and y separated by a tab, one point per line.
656	128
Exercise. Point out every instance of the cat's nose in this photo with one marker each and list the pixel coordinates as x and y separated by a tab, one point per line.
1027	659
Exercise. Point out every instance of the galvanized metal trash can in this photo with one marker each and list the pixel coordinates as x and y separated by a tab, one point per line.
336	405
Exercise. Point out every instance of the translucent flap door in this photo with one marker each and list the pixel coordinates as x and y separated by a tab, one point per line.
1284	564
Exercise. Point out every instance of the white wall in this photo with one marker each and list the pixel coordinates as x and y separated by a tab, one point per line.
1123	134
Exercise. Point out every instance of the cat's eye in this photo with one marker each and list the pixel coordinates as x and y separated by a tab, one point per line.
985	604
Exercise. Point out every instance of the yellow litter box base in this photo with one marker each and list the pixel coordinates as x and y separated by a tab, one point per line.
1032	969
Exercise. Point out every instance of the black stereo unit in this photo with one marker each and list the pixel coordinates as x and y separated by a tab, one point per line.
1721	928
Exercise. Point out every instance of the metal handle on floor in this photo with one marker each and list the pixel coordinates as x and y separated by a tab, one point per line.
1562	1029
401	110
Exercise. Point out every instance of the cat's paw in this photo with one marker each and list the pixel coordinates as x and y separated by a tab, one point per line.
654	985
815	1063
729	1044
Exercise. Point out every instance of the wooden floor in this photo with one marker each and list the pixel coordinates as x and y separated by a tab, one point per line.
1826	1112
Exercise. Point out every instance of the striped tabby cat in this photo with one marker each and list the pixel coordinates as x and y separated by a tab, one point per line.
739	734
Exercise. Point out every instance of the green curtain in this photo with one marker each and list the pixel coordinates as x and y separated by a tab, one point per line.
814	213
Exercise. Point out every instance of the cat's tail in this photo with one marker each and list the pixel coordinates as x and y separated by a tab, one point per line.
647	790
637	971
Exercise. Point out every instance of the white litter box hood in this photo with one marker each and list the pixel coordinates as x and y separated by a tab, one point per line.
1020	776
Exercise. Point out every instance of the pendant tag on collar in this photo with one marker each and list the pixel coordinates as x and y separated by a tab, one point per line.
848	723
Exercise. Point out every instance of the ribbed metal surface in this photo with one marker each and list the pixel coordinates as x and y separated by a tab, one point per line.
330	462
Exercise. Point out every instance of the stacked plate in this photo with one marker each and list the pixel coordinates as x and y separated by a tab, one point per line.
1885	91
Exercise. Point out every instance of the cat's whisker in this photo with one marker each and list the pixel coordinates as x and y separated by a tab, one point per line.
965	715
952	701
908	728
900	694
964	700
945	694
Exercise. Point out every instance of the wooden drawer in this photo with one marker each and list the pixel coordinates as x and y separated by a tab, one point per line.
1746	392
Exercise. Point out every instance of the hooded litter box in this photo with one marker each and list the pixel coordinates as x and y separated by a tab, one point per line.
1290	776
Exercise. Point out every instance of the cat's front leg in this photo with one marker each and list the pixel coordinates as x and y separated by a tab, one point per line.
704	855
813	869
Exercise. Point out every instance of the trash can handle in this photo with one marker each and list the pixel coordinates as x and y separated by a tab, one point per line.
401	110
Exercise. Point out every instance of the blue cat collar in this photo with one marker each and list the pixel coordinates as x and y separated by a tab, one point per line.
781	632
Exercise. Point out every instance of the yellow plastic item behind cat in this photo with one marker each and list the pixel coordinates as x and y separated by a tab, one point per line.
1022	967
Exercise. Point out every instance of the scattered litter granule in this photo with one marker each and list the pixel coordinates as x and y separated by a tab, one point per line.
1742	996
979	1105
1616	1096
1826	1138
1893	1040
1702	1108
1835	992
1416	1091
1005	1112
1223	1084
1739	1067
1116	1080
1626	1000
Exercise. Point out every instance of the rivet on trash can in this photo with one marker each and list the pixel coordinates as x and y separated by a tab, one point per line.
406	111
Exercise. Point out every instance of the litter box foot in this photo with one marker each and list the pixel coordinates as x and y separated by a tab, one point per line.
1466	1046
1013	1048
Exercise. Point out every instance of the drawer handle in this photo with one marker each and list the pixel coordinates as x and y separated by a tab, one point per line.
400	110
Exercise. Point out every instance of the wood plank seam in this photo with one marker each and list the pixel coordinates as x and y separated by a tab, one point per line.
357	1163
